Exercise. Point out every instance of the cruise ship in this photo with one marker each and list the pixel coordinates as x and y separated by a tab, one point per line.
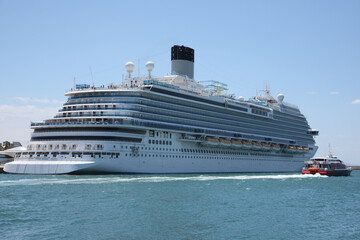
170	124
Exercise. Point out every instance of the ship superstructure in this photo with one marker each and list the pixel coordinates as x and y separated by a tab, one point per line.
171	124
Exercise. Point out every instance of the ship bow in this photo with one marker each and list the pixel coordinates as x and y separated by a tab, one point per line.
47	167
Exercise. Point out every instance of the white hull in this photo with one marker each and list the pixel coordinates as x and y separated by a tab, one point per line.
171	160
160	165
196	166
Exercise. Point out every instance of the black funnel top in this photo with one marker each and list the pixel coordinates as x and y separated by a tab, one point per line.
182	52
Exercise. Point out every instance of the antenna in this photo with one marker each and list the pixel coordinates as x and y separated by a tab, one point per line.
92	77
267	89
74	82
139	67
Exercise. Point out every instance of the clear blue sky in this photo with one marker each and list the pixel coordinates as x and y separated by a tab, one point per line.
307	50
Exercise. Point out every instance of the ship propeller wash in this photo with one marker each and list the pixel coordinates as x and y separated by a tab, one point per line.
171	124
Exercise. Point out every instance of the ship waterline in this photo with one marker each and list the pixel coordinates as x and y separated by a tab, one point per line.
167	125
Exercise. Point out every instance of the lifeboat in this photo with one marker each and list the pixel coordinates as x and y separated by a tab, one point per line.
256	145
310	167
275	147
313	170
291	149
236	143
302	150
224	142
209	141
246	144
266	146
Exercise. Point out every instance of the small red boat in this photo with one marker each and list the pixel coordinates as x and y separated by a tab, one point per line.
330	166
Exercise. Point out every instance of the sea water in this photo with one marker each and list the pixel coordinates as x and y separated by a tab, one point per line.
208	206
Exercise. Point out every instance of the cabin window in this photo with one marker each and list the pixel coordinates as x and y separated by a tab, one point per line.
99	146
151	133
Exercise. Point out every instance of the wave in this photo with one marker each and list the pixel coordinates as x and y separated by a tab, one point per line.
154	179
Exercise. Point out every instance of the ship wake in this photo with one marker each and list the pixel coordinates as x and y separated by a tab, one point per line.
151	179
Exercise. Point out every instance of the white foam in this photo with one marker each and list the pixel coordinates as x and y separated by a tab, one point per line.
119	179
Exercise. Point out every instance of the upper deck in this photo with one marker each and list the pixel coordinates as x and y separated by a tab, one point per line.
183	87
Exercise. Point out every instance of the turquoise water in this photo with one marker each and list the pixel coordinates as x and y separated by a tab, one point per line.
221	206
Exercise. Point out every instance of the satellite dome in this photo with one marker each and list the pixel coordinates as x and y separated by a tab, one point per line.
280	97
129	66
241	98
149	66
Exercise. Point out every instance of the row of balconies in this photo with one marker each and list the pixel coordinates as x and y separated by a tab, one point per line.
87	114
33	147
86	107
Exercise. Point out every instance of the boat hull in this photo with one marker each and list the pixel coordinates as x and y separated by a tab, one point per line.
344	172
162	165
47	167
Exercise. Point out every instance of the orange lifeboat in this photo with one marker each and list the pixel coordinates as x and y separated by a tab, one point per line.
236	143
313	170
211	141
246	144
222	140
275	147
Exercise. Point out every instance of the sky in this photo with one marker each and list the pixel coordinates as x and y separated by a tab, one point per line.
308	50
